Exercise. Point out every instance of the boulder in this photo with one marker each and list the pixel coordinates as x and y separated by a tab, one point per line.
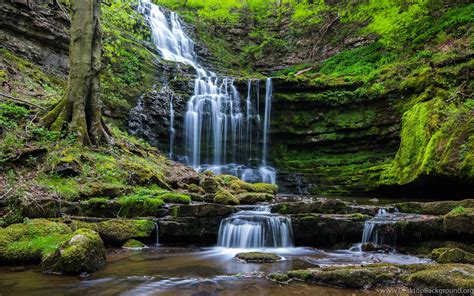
84	252
133	244
225	197
452	255
460	221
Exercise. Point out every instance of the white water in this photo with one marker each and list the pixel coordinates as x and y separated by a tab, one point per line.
219	135
172	130
257	228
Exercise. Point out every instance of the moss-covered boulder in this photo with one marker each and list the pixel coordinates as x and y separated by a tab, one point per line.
84	252
117	231
137	205
31	241
224	197
257	257
265	188
441	276
133	244
251	198
460	220
452	255
210	184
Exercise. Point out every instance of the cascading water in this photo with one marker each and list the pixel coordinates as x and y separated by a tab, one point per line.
172	130
377	230
258	228
219	135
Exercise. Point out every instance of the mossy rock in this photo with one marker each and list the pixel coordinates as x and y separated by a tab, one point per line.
265	188
240	186
31	241
117	231
68	167
442	276
258	257
350	277
460	220
225	197
278	277
227	179
452	255
84	252
426	248
253	198
133	244
172	197
433	208
210	184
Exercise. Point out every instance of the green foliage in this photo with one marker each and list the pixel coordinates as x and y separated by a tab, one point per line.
10	115
172	197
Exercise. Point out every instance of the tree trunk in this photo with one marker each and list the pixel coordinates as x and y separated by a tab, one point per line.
82	107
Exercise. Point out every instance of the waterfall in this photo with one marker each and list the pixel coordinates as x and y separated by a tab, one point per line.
266	120
258	228
218	132
172	130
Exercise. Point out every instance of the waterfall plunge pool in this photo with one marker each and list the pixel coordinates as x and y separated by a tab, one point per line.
189	271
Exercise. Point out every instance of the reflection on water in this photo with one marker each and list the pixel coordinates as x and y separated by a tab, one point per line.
180	271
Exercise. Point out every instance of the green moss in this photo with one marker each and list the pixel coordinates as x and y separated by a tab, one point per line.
138	205
265	188
257	257
457	221
132	243
32	240
172	197
253	198
452	255
443	276
84	252
223	196
299	274
117	231
278	277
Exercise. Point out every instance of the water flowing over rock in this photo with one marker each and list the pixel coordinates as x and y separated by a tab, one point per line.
219	133
257	228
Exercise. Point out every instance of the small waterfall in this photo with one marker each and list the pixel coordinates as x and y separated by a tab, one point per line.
157	233
258	228
378	230
218	132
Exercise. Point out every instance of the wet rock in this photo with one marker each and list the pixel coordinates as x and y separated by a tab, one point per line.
326	230
84	252
368	247
278	277
257	257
